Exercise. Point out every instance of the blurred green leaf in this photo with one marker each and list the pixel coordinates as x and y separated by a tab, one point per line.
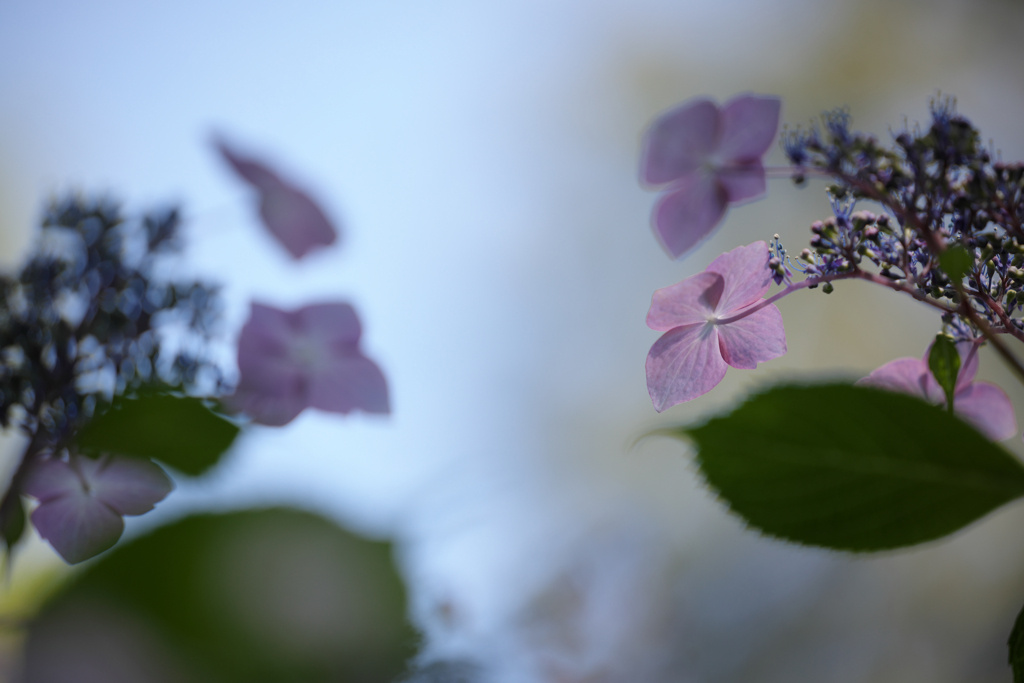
12	518
1016	646
956	262
177	430
944	362
261	596
852	468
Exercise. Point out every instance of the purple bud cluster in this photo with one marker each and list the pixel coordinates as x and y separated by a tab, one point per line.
940	188
82	321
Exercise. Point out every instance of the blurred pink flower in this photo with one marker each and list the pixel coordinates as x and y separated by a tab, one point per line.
288	213
710	157
82	500
982	404
707	329
289	361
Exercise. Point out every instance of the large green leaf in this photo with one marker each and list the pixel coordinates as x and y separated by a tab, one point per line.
259	596
177	430
853	468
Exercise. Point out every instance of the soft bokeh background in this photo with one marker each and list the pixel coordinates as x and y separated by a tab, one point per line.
482	159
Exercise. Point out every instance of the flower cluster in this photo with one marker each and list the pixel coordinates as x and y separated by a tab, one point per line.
90	319
947	229
712	320
709	158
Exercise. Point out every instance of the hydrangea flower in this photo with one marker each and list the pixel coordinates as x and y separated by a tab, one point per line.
709	157
982	404
289	361
289	214
712	321
82	500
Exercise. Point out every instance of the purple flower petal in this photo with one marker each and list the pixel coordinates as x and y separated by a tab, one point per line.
296	221
749	124
288	213
755	339
253	172
50	478
689	302
78	526
968	363
743	183
81	501
746	274
683	364
333	323
348	384
689	212
908	376
271	407
680	141
988	408
130	486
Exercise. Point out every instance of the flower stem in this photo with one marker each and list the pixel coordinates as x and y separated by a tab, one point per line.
809	282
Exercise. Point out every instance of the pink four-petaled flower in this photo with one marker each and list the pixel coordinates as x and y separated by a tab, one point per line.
709	157
982	404
82	500
288	213
291	360
706	329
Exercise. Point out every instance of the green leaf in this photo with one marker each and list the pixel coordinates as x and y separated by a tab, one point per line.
1016	646
956	262
12	519
257	596
853	468
944	362
177	430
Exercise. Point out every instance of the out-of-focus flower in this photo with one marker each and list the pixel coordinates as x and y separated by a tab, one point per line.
982	404
289	214
82	500
711	323
289	361
709	157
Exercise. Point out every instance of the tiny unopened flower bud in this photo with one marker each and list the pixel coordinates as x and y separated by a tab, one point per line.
862	218
882	220
828	288
871	233
817	227
806	255
1011	297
